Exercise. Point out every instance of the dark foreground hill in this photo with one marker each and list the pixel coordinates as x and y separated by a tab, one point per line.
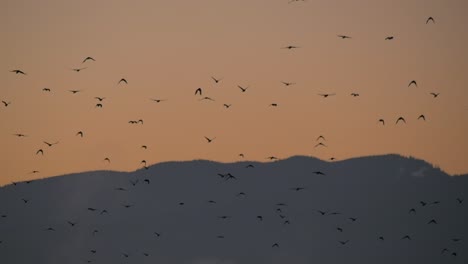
382	209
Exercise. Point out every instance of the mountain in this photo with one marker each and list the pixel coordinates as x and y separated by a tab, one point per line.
365	198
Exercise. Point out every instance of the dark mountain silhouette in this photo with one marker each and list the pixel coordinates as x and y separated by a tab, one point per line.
368	198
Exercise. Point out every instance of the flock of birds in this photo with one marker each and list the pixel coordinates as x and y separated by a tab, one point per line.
200	94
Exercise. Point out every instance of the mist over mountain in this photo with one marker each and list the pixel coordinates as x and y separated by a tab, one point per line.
358	211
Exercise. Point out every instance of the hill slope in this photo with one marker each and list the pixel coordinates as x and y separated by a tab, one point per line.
138	217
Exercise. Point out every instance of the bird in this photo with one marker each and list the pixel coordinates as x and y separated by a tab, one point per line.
74	91
20	135
459	200
49	229
215	79
88	58
40	151
344	242
99	105
79	133
381	238
79	69
412	210
209	140
250	166
433	221
287	83
120	189
389	38
206	98
326	95
275	245
400	119
339	229
220	236
354	94
50	144
444	250
18	72
25	200
382	121
46	89
123	80
406	237
321	212
6	104
320	144
144	147
198	91
343	36
413	82
71	223
99	98
422	117
430	19
147	181
242	88
297	189
352	219
157	234
318	173
273	104
226	105
290	47
435	94
423	203
241	155
158	100
107	159
272	158
320	138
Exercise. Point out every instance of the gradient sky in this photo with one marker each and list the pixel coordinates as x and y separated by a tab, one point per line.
167	49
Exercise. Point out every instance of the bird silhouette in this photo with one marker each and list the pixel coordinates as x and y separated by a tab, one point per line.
389	38
273	104
320	144
79	133
406	237
6	104
74	91
435	94
46	89
344	242
158	100
433	221
413	82
99	105
226	105
242	88
275	245
50	144
20	135
250	166
206	98
209	140
40	151
18	72
422	117
198	91
71	223
326	95
400	119
123	80
459	200
216	80
430	19
99	98
354	94
290	47
88	59
382	121
318	173
107	159
288	83
79	69
343	36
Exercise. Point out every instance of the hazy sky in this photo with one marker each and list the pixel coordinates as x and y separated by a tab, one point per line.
167	49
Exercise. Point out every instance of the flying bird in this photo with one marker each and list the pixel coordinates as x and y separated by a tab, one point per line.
389	38
216	80
326	95
226	105
400	119
79	133
209	140
320	144
354	94
46	89
320	138
18	72
40	151
79	69
290	47
99	105
123	80
99	98
288	83
74	91
343	36
198	91
422	117
430	19
88	58
107	159
318	173
158	100
50	144
344	242
413	82
206	98
382	121
6	104
242	88
20	135
435	94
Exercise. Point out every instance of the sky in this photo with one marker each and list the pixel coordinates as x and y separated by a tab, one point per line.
168	49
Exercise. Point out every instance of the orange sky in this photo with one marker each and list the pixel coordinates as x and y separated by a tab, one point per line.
167	49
